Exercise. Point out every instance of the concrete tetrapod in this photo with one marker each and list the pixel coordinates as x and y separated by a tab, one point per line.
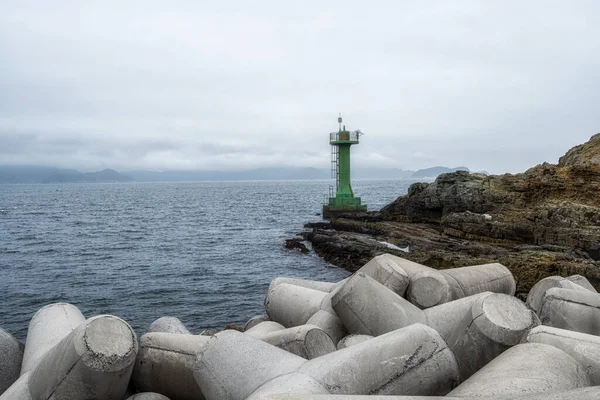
427	287
19	390
412	360
47	327
575	310
233	365
169	325
338	284
584	348
467	281
306	341
11	357
385	270
326	303
93	362
292	305
305	283
367	307
264	328
257	319
330	323
447	318
587	393
538	291
290	383
352	340
148	396
165	364
495	323
582	281
525	369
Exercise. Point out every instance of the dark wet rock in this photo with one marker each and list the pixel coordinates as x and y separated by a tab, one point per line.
594	252
296	244
234	328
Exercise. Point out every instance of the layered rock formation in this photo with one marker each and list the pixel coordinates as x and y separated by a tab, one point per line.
541	222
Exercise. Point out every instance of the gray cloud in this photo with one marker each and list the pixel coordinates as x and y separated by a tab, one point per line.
496	86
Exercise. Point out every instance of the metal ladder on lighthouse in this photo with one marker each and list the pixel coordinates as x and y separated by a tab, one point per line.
335	170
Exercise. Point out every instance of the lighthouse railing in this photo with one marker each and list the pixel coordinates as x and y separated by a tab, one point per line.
344	136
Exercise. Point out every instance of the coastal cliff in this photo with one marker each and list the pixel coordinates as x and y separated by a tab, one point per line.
544	221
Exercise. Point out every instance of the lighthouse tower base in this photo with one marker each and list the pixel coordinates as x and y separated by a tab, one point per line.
342	205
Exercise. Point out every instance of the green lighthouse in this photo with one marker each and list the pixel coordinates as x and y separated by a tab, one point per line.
344	200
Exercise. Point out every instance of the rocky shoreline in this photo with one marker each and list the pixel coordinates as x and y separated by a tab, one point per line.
543	222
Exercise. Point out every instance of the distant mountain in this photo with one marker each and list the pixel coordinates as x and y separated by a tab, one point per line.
106	175
28	174
433	172
254	174
381	173
34	174
288	173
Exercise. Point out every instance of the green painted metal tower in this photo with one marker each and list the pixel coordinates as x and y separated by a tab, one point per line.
344	200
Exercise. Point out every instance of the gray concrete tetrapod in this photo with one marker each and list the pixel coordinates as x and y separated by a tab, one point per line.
525	369
306	341
11	357
538	291
467	281
495	323
447	318
586	393
352	340
367	307
386	270
410	361
148	396
47	327
165	364
290	383
330	323
233	365
19	390
584	348
326	302
338	284
292	305
264	328
257	319
582	281
168	325
93	362
315	285
427	287
575	310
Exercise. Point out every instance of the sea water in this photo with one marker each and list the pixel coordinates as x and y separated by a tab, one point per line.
204	252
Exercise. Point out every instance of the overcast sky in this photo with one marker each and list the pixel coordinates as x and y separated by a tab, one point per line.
497	86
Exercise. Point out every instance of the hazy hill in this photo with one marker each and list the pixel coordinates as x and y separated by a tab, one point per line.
106	175
381	173
34	174
255	174
433	172
289	173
